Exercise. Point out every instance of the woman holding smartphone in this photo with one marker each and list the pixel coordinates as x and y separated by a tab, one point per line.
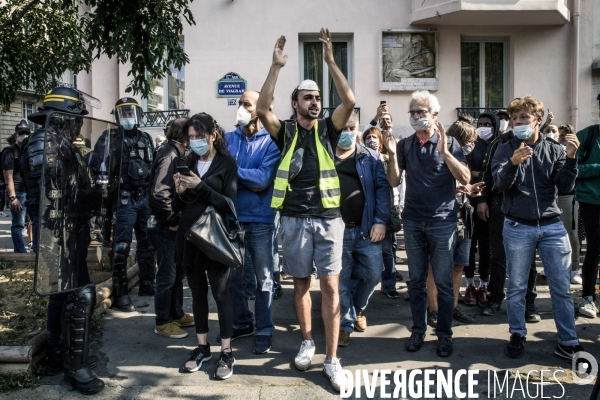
212	177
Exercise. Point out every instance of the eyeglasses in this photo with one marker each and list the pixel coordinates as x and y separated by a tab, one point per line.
420	113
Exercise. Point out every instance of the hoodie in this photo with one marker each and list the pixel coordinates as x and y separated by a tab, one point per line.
257	160
476	158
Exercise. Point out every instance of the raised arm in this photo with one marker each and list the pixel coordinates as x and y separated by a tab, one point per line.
266	116
459	171
342	112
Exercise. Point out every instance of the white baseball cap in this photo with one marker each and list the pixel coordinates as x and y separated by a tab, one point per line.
308	85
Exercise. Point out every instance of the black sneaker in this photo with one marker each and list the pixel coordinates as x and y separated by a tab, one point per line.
531	314
146	288
225	365
197	357
460	315
444	347
492	308
516	346
392	294
262	344
399	276
277	293
432	317
567	352
415	341
238	333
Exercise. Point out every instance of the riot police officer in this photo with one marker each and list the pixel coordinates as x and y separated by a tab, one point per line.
63	205
132	205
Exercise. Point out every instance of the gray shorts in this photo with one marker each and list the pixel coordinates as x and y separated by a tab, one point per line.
308	240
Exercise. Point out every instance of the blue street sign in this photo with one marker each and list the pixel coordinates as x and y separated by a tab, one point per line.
231	85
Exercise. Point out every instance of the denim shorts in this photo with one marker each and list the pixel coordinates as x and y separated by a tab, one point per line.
309	242
461	252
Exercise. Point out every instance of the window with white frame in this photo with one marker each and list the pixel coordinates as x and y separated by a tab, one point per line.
313	67
484	72
26	111
168	93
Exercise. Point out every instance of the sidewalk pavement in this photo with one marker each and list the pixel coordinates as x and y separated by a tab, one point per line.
135	363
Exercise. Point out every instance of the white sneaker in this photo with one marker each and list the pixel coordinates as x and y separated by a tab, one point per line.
24	233
303	360
335	374
576	278
587	307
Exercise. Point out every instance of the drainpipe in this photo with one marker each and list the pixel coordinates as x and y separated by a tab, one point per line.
575	66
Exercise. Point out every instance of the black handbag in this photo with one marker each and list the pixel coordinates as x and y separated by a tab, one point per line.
211	235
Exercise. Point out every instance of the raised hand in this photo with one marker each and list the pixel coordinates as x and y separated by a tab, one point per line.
279	59
389	143
521	154
327	46
441	146
572	145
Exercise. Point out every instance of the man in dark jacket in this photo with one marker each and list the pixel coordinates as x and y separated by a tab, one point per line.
365	208
588	196
489	208
530	170
488	126
168	296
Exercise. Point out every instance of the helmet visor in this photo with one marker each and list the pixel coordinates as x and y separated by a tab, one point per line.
129	113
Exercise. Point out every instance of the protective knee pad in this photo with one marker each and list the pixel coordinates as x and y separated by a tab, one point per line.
76	327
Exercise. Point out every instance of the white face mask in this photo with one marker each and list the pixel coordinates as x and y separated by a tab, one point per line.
419	125
503	125
20	138
484	132
244	117
467	148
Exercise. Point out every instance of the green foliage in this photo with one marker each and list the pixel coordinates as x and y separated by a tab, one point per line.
23	379
41	39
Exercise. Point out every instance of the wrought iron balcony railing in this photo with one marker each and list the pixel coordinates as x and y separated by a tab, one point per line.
160	118
476	111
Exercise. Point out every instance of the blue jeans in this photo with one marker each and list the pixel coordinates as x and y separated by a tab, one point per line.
430	243
168	291
134	216
259	258
388	276
18	224
552	243
362	265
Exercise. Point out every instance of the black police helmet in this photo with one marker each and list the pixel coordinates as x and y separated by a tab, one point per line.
127	103
22	127
62	99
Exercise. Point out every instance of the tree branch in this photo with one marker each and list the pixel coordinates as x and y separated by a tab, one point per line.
15	19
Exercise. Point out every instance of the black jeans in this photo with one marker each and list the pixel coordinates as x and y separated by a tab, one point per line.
590	214
481	241
218	276
168	292
497	266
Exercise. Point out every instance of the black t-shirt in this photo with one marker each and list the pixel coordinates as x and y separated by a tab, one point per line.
303	198
352	198
10	161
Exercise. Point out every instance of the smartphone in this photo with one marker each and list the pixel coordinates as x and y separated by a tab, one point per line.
382	102
183	170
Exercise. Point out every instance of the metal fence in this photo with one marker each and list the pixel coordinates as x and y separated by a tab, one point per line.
160	118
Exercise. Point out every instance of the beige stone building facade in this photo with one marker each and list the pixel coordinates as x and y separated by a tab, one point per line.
480	54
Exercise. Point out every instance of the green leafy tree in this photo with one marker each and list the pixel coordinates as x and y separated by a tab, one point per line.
41	39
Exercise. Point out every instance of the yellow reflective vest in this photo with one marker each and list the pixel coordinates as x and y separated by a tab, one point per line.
329	183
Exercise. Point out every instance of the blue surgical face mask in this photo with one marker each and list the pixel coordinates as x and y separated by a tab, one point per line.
347	140
199	146
128	123
523	132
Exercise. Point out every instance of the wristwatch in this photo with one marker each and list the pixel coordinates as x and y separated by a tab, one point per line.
11	198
